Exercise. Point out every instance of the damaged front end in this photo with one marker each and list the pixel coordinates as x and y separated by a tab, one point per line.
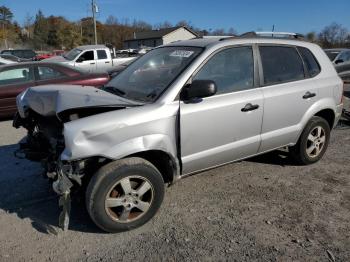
43	112
44	143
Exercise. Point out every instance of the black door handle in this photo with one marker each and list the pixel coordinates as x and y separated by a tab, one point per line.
92	63
107	62
249	107
309	95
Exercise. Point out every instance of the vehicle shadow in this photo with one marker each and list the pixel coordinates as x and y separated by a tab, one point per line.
29	195
343	124
6	118
282	158
277	157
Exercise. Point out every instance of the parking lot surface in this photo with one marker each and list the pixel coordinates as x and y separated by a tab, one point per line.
261	209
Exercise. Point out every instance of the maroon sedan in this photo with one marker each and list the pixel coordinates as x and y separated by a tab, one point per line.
15	78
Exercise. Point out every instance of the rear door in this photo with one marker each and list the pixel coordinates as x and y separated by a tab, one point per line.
289	91
12	82
104	61
46	74
218	129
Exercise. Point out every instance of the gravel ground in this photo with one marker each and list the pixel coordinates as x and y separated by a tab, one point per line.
262	209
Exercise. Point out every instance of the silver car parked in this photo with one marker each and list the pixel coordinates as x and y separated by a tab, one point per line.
180	109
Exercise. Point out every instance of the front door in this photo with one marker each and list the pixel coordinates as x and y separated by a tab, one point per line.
86	61
226	126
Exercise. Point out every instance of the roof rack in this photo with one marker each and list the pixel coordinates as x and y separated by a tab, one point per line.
280	35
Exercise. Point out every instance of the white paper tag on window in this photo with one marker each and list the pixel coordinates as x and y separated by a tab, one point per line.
182	53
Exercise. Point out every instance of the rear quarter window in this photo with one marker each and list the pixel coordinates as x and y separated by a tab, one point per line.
101	54
310	61
281	64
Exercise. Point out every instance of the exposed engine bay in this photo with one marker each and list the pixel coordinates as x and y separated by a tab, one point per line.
42	114
45	143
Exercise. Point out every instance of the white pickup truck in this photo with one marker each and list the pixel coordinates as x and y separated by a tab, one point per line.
91	58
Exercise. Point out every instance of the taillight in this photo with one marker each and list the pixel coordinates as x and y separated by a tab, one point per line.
342	93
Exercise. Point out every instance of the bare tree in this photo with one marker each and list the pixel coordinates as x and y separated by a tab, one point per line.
231	31
165	24
219	31
334	35
311	36
28	25
185	23
112	20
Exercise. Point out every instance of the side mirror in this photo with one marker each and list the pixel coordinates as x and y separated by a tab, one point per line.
198	89
339	61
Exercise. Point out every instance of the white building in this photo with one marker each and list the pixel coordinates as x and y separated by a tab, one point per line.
159	37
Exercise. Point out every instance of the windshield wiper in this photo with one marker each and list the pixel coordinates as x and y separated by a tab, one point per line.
114	90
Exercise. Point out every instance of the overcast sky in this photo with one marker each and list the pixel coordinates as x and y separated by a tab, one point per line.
248	15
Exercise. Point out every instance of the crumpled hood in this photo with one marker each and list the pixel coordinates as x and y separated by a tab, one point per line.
50	100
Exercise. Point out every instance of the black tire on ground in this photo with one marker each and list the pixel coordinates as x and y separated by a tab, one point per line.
299	152
110	183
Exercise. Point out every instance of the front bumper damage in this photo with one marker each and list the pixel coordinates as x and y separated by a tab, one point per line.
64	179
65	175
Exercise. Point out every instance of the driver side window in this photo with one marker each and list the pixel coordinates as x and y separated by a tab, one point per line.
87	56
231	69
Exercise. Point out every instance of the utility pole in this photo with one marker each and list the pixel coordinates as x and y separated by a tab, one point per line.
94	11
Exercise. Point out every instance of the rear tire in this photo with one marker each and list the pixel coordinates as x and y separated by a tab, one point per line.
124	194
312	143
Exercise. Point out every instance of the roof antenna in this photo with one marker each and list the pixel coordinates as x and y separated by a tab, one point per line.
273	29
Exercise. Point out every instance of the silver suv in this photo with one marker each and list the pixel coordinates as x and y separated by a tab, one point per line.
180	109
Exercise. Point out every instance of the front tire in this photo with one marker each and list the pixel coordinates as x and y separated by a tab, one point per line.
124	194
312	143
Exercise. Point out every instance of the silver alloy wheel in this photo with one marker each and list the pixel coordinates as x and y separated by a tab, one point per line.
315	142
129	199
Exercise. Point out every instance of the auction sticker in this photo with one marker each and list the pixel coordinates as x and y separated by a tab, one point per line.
182	53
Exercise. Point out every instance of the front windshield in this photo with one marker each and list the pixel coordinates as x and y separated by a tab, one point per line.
72	54
146	78
332	54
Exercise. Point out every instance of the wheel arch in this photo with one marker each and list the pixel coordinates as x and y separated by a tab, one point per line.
328	115
324	108
166	164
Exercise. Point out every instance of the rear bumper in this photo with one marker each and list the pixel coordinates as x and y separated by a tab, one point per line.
338	113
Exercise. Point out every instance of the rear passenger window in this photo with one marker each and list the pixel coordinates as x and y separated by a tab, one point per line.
310	61
46	73
231	69
16	76
101	54
281	64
